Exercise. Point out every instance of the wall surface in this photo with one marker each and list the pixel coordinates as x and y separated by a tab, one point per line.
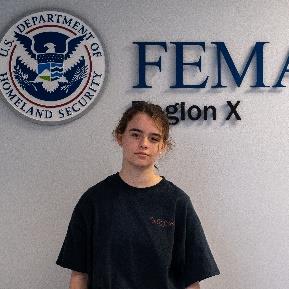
236	172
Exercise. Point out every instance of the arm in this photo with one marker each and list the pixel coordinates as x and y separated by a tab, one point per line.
78	280
195	285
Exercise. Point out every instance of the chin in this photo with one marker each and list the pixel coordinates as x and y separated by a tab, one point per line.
141	164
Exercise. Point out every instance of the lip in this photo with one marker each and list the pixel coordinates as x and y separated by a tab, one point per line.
142	154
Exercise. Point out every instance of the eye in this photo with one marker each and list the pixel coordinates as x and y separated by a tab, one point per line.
154	139
135	134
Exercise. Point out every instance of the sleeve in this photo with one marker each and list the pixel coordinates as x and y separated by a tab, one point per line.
199	262
76	248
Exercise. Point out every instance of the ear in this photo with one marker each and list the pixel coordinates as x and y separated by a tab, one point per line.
163	148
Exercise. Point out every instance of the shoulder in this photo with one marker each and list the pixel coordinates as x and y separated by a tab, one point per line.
184	209
102	188
180	195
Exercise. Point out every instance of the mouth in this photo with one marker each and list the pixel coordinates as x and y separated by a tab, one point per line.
141	154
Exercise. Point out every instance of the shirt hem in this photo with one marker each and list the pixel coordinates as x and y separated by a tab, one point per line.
71	267
201	277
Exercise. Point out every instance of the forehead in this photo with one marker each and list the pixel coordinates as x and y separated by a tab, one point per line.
144	122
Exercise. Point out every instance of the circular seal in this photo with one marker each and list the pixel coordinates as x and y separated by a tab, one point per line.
52	67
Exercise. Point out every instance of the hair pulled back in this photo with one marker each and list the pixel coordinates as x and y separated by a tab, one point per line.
152	110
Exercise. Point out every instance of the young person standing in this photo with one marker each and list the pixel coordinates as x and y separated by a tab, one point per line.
135	229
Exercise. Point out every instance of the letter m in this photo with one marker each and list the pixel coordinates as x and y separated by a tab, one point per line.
238	78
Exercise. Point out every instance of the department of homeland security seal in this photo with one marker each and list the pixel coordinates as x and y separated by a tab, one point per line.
52	67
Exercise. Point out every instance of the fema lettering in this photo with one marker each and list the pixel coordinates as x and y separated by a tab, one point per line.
222	55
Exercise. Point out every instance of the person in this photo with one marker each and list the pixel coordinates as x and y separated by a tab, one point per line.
136	229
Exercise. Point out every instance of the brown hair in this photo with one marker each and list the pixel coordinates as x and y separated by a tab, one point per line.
152	110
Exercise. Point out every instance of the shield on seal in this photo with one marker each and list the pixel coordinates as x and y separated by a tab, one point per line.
50	66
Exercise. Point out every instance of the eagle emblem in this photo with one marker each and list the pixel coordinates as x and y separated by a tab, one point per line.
52	67
48	76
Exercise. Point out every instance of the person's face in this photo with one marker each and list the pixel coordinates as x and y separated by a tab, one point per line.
142	142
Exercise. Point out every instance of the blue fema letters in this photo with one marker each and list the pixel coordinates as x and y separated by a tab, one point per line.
223	62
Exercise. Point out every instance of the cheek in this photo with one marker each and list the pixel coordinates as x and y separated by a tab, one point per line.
159	146
156	151
127	145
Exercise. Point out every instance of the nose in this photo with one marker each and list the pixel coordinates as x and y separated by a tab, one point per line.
143	142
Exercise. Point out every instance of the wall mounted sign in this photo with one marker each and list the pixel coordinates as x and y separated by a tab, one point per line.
222	54
191	67
52	67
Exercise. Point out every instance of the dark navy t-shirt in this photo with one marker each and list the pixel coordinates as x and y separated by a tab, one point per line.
125	237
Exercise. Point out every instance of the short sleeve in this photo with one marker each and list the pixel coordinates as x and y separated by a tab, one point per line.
76	248
199	261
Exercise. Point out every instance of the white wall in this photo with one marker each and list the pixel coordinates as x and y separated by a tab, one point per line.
235	172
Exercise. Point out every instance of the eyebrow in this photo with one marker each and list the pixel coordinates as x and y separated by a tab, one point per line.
139	130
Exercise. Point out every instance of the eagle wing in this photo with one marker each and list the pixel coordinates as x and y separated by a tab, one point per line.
26	42
72	45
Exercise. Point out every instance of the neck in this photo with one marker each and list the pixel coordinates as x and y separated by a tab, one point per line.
140	177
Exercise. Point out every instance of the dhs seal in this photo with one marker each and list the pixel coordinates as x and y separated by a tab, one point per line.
52	67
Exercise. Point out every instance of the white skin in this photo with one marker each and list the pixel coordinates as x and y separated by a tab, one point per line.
142	144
